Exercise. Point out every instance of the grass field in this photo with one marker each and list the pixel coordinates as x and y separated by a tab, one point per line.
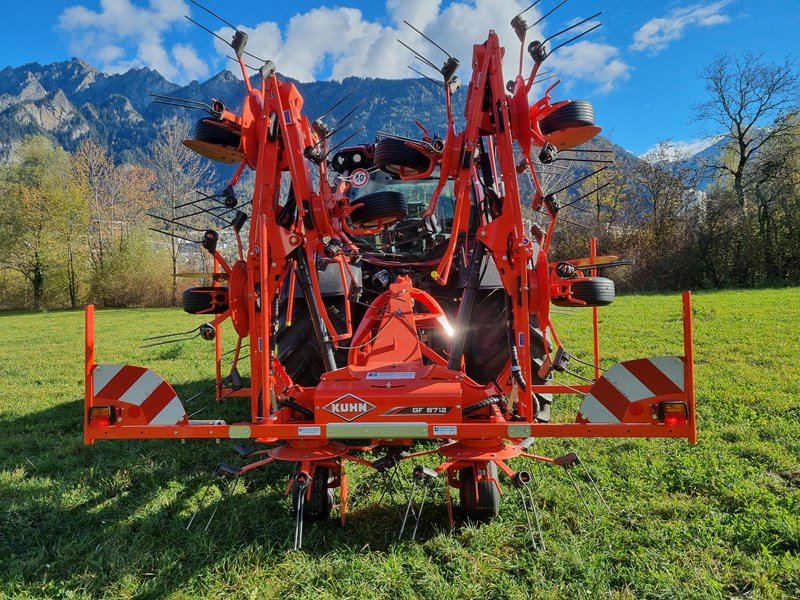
715	520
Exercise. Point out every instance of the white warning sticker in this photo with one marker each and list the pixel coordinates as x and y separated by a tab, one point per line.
391	375
445	430
309	430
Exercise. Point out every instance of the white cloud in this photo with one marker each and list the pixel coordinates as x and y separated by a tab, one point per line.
334	42
346	44
105	34
419	13
656	34
192	65
591	61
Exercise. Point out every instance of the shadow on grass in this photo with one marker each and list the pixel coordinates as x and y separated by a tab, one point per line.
114	514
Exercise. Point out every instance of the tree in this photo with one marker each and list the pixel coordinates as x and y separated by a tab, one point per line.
666	185
34	189
118	196
70	227
179	172
776	195
754	103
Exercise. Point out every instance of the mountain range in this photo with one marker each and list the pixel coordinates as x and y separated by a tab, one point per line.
70	101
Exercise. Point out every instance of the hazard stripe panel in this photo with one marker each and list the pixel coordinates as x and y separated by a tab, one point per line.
628	382
142	394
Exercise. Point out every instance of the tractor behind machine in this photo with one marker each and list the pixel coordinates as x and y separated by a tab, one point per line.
393	292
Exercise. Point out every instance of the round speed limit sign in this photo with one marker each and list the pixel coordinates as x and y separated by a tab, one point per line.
359	177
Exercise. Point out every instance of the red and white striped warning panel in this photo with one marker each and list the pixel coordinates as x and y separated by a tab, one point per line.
143	395
621	395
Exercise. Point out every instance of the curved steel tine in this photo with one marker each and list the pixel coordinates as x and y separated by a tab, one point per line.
298	519
543	17
580	35
229	490
408	509
594	485
419	512
577	489
429	39
536	517
203	497
571	27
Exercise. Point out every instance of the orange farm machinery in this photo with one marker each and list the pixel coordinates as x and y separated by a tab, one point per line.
393	292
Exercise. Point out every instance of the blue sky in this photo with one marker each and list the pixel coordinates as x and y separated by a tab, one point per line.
639	68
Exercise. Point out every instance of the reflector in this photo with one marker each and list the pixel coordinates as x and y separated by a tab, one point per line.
674	413
101	416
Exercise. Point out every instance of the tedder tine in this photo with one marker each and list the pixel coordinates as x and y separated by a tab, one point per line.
203	497
302	481
569	461
227	471
424	477
408	509
594	485
522	480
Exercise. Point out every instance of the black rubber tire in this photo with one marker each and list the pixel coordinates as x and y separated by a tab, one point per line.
198	300
391	155
389	206
208	130
486	351
596	291
318	506
487	505
577	113
297	347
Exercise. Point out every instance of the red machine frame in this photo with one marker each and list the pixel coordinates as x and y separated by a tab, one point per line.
389	364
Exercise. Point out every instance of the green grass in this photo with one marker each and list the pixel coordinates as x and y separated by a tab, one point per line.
715	520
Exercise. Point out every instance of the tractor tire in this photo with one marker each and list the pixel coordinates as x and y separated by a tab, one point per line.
393	155
318	506
198	300
595	291
387	206
297	347
486	505
486	351
577	113
208	130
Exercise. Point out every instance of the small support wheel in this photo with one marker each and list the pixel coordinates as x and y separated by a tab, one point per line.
486	505
214	132
386	207
205	300
394	156
578	113
594	291
317	506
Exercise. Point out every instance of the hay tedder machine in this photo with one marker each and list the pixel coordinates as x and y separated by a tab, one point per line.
395	292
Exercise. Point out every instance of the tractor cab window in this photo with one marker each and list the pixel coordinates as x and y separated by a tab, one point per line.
404	237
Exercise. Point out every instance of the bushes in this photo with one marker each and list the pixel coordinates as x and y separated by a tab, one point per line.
135	274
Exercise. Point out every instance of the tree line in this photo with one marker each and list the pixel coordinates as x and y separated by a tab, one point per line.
74	227
742	227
